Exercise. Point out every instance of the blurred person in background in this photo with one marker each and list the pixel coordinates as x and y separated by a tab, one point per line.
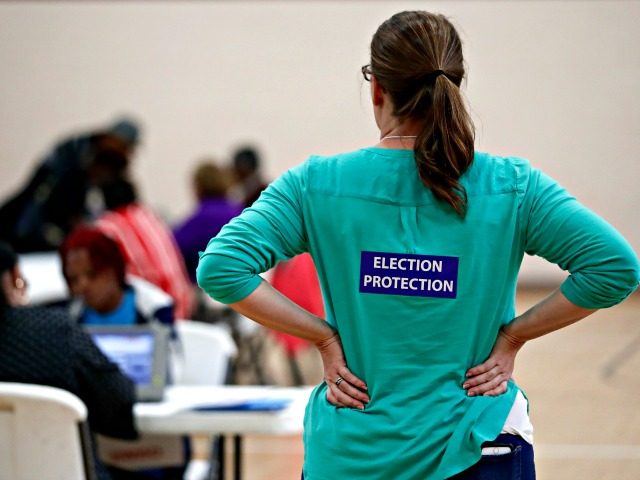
418	240
44	346
214	210
247	170
148	245
297	280
94	268
64	190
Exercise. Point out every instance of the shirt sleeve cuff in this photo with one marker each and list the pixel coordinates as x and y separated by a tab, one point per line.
241	293
577	296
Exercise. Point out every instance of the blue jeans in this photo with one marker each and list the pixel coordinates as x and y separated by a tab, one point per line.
517	465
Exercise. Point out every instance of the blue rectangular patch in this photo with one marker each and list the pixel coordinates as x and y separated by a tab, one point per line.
409	274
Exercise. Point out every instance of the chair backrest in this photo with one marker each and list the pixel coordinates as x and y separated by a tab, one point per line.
207	351
40	433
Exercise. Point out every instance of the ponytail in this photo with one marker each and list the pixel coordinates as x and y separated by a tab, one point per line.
417	58
445	147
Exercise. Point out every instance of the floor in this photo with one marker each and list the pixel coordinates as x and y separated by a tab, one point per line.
584	389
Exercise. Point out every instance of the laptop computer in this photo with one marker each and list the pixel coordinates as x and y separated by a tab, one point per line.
141	352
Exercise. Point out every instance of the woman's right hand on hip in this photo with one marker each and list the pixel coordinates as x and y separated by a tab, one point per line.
344	389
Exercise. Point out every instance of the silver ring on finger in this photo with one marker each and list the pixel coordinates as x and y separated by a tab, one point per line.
339	380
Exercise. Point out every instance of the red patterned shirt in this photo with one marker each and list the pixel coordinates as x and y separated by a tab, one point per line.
151	252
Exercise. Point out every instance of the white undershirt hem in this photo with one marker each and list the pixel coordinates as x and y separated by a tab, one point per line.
518	421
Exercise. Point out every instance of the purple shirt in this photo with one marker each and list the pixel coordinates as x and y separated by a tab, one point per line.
195	232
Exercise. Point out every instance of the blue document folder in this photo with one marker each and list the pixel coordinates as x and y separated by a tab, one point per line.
259	404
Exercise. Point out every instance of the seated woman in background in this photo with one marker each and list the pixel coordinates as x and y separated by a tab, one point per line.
43	346
94	269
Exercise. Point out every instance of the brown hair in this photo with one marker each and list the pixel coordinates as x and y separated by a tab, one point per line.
210	180
416	58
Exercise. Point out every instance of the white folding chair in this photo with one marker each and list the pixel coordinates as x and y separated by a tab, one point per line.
41	434
206	353
204	358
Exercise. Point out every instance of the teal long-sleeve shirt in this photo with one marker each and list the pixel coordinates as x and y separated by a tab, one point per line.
416	292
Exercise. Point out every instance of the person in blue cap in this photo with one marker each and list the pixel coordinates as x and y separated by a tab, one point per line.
63	191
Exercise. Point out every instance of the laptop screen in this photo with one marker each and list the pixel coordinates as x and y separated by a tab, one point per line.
132	352
141	352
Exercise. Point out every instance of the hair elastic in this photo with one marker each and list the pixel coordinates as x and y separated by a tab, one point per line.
435	74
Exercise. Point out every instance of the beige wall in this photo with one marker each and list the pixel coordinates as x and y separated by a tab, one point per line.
557	82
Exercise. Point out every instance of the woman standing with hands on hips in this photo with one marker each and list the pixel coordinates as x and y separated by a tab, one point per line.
418	241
